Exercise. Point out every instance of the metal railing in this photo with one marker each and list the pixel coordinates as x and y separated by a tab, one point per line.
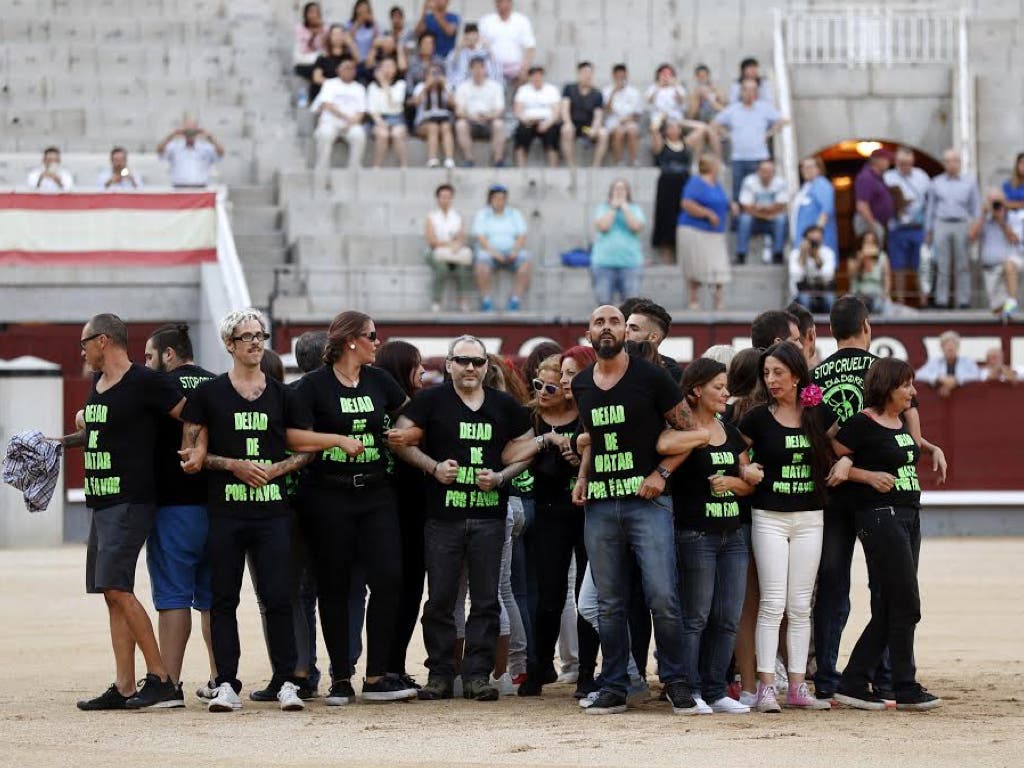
788	162
963	102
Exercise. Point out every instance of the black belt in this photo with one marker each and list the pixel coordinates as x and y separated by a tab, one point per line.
954	221
369	480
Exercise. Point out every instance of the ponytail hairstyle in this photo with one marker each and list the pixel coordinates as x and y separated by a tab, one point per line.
697	374
175	336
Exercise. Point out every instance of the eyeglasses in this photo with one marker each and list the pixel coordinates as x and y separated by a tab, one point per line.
551	389
250	337
87	339
372	335
464	361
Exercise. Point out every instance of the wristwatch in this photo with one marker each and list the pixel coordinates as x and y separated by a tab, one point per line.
665	473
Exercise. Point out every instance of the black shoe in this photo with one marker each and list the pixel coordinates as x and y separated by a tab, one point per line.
531	686
479	689
681	698
548	676
916	699
388	688
887	694
437	688
862	699
109	699
266	694
409	681
607	703
341	693
308	690
155	693
585	686
823	693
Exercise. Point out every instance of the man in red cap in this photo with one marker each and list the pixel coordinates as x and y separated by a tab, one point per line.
875	206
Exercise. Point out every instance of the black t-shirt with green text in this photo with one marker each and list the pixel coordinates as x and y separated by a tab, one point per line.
841	378
361	412
474	439
173	486
554	476
253	430
878	448
120	437
696	506
785	455
624	423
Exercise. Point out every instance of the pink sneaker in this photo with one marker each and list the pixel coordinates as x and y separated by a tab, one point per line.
766	701
801	698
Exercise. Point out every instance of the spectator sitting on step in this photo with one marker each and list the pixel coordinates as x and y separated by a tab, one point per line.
425	58
362	30
309	40
623	109
949	370
869	273
336	48
509	34
666	98
750	69
50	177
479	107
119	178
385	102
433	102
996	368
1000	257
445	26
706	99
750	125
500	233
875	204
537	105
617	256
396	40
190	153
812	272
763	201
341	105
450	257
459	64
582	114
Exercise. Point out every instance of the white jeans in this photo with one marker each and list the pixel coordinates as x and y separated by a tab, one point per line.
787	548
328	132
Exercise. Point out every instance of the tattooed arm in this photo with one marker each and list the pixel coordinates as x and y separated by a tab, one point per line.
294	462
194	443
249	472
680	417
77	438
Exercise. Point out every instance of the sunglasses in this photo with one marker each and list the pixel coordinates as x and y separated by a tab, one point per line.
87	339
247	338
464	361
551	389
372	335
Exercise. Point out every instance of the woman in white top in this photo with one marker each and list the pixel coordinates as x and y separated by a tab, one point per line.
386	100
450	257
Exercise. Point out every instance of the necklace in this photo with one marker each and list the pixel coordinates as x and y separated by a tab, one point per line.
346	379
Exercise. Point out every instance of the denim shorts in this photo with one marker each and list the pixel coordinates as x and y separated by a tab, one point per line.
179	572
116	536
483	257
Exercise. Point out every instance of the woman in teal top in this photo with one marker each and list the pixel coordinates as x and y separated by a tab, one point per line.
617	256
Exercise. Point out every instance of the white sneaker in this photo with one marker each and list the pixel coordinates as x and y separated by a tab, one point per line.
781	677
206	691
289	698
504	684
729	706
449	163
748	699
589	699
225	700
571	676
702	706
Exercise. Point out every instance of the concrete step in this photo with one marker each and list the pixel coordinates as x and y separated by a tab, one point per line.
255	219
262	241
256	194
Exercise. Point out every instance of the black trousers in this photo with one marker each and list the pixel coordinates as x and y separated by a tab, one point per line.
448	546
524	136
558	534
410	524
891	537
268	542
344	526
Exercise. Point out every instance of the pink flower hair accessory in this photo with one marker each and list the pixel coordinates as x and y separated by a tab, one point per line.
810	396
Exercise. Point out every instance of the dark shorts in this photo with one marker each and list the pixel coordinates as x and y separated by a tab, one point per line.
479	129
179	572
116	536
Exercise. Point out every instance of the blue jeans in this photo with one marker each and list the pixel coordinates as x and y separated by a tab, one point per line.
712	584
819	302
749	225
740	170
609	281
616	531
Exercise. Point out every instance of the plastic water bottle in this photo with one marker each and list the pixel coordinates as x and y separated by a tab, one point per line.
302	99
766	255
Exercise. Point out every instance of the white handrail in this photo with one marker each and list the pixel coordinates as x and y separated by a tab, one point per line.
964	97
788	163
227	257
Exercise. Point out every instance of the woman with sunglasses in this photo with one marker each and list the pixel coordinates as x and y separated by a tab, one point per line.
348	507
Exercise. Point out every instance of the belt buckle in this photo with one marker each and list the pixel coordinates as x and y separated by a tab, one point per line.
359	481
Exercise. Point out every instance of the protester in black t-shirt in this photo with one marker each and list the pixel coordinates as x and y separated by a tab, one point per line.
792	458
624	403
179	573
250	421
886	502
582	116
648	321
711	539
348	504
125	405
465	427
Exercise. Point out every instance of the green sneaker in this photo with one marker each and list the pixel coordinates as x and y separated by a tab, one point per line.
479	689
437	688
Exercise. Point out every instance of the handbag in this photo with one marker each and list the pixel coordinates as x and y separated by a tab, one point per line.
576	257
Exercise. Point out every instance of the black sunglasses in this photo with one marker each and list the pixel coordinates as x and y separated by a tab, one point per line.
465	361
87	339
551	389
246	338
372	335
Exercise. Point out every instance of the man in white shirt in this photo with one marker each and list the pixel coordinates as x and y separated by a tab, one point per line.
537	105
119	178
812	272
509	35
341	105
906	230
50	177
479	106
949	370
190	153
459	62
623	108
763	201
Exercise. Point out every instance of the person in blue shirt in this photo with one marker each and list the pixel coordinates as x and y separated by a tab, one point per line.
617	256
815	203
444	25
500	233
700	232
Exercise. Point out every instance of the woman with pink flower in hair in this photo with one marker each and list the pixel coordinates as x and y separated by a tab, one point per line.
791	458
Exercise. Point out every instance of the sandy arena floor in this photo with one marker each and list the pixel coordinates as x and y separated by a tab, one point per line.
54	650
